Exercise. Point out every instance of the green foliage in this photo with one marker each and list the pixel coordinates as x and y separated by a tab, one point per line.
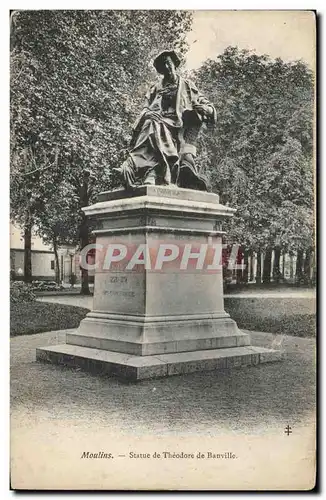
26	318
78	79
21	292
57	222
287	316
259	157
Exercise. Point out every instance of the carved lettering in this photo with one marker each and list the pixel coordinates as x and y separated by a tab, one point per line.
118	279
120	293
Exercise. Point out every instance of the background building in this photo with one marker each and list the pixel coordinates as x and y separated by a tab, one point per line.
43	259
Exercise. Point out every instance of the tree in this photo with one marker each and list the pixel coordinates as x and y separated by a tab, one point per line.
259	157
78	81
56	223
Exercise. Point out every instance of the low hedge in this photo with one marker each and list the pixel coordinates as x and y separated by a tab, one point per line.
35	317
288	316
21	292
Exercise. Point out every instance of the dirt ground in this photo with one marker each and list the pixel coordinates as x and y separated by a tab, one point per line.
57	414
244	400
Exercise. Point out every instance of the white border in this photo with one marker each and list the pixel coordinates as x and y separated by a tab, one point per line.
4	134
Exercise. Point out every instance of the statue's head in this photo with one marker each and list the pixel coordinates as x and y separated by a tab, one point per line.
166	62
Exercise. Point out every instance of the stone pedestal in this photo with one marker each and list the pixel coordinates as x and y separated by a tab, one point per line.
158	297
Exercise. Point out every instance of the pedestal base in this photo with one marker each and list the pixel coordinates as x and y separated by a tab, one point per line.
134	368
158	294
145	336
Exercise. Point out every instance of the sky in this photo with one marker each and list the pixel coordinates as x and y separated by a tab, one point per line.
286	34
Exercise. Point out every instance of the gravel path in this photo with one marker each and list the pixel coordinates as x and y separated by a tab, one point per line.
246	400
57	414
295	293
87	301
73	300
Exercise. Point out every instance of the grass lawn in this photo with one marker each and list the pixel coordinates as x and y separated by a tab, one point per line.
288	316
35	317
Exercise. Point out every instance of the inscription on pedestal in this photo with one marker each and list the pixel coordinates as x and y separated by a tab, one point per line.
174	193
118	279
121	293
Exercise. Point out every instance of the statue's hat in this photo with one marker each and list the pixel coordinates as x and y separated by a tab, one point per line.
159	60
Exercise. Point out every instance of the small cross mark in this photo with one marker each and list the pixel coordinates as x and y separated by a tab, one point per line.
288	430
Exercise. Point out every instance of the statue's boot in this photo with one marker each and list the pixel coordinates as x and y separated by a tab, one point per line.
150	178
189	176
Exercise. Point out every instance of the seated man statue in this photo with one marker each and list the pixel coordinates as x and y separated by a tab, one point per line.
162	148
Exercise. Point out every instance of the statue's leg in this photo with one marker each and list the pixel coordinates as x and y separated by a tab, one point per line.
189	176
150	178
140	166
175	172
153	159
166	179
127	173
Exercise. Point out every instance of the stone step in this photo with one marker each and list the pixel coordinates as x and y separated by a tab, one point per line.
132	367
146	348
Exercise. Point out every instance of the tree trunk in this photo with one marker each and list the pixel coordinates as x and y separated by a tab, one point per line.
291	266
84	240
57	264
267	266
245	274
62	264
239	262
307	265
314	268
84	236
28	253
283	264
251	275
258	268
276	266
298	269
84	233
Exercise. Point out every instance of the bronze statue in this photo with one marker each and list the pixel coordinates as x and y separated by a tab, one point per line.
162	148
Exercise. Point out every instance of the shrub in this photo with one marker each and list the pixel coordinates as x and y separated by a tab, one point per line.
288	316
28	318
21	292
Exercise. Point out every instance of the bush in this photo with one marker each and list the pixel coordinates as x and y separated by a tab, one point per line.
288	316
48	286
21	292
43	317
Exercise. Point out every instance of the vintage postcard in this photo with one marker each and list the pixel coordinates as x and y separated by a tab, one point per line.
163	250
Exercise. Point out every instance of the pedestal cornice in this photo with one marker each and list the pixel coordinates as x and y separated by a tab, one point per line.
159	199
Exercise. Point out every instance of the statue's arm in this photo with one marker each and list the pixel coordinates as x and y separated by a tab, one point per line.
206	108
202	105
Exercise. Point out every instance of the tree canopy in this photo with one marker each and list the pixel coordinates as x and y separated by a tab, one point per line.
78	79
260	155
